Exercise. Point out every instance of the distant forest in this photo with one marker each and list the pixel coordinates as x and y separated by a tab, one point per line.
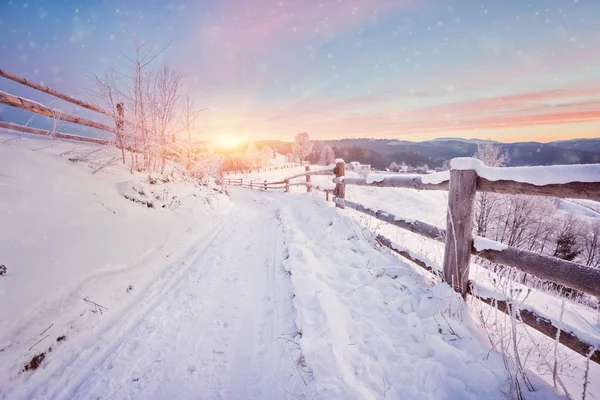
380	153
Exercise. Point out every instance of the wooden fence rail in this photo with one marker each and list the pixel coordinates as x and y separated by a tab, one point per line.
572	190
563	272
462	186
52	92
44	132
29	105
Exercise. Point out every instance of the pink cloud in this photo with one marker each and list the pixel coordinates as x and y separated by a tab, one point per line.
514	101
255	24
350	117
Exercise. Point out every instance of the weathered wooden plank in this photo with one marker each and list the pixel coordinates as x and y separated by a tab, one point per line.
340	186
566	273
408	255
398	182
25	104
573	190
52	92
311	173
415	226
43	132
544	326
459	229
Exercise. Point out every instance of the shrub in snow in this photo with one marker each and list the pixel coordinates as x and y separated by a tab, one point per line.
2	270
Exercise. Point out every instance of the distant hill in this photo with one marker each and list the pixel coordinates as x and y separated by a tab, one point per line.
381	152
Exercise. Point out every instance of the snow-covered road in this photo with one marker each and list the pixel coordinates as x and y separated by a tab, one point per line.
286	298
211	336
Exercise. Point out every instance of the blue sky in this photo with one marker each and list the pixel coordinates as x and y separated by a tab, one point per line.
408	69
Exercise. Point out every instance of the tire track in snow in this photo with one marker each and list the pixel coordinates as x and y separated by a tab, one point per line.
211	334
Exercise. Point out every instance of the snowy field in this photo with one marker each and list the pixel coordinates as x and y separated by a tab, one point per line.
124	286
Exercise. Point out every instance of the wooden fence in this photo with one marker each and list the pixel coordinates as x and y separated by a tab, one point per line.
462	187
243	171
37	108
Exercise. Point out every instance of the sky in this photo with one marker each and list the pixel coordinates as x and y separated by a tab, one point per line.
504	70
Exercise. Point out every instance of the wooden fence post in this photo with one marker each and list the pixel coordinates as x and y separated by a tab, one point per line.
308	188
340	187
265	187
250	184
119	124
287	185
326	195
459	228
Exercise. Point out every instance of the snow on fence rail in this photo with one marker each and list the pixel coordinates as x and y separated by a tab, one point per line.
566	181
466	177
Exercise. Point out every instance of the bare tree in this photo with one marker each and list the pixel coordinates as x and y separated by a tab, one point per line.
302	146
591	244
266	155
487	203
252	155
163	98
189	115
327	155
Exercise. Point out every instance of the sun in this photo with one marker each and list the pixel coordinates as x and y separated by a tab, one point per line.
228	142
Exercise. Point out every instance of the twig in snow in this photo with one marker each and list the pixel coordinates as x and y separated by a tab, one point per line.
97	306
292	394
295	366
38	342
7	176
450	326
42	148
366	284
66	152
558	330
111	161
587	371
386	388
8	140
46	330
288	340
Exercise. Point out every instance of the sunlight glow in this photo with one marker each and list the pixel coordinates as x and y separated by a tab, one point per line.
228	142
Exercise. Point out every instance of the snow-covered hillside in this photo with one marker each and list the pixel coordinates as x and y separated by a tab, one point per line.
245	295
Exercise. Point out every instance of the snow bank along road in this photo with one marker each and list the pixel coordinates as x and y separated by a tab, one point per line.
286	299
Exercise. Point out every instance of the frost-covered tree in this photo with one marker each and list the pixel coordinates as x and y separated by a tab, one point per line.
491	154
302	146
327	156
252	155
266	155
394	167
591	244
567	246
487	203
